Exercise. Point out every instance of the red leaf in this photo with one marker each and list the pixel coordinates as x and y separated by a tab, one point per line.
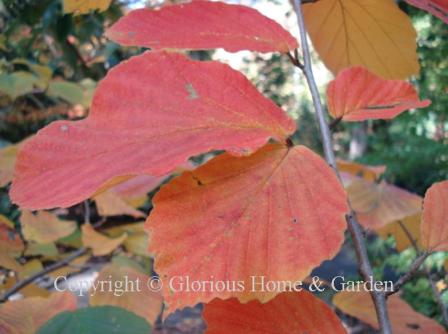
288	313
434	228
277	213
202	25
437	8
356	95
148	116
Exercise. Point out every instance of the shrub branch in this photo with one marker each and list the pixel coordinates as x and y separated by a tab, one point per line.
355	229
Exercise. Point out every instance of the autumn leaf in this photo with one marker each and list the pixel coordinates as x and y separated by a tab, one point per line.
19	83
109	203
145	303
232	27
404	320
137	240
378	204
45	227
357	95
30	268
74	266
66	90
287	313
277	213
25	316
397	230
31	290
85	6
369	173
11	246
375	34
8	155
437	8
99	243
434	228
149	115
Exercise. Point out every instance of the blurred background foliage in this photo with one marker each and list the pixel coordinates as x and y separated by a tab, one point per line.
50	63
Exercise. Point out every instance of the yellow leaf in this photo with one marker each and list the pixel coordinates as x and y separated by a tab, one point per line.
7	160
369	173
74	266
6	222
375	34
11	247
31	290
109	203
412	225
99	243
84	6
30	268
45	227
135	297
137	240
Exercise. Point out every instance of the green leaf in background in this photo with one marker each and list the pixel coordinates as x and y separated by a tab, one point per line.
19	83
68	91
94	320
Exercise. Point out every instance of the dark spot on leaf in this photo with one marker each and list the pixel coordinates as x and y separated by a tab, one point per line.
191	91
199	182
413	326
295	220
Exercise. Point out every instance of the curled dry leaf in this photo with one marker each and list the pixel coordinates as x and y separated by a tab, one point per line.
287	313
232	27
357	95
277	213
403	318
375	34
379	204
45	227
434	228
134	297
25	316
437	8
196	107
99	243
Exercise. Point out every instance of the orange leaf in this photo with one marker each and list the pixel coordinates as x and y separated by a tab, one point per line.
370	173
138	299
377	205
11	246
403	318
149	115
25	316
357	95
45	227
434	228
437	8
412	225
99	243
277	213
287	313
232	27
375	34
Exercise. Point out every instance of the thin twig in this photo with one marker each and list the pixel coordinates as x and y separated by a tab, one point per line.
86	212
438	298
436	293
20	285
409	274
353	225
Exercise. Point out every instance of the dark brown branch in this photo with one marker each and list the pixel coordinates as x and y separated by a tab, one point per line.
20	285
355	229
409	274
436	293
